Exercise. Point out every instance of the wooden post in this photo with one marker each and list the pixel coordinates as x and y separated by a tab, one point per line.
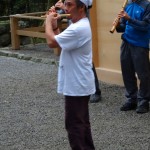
15	39
93	19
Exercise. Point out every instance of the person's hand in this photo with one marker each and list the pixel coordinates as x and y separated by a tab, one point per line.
52	9
124	15
52	18
121	14
60	5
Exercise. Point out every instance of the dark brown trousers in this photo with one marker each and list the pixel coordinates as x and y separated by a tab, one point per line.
77	122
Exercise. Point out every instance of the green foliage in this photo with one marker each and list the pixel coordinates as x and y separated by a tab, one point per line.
35	40
8	7
20	6
4	22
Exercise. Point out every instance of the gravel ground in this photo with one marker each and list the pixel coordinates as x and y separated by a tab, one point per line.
32	113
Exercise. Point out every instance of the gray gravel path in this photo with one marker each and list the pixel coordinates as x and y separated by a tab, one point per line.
32	113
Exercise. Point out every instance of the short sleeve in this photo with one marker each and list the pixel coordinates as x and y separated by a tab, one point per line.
67	40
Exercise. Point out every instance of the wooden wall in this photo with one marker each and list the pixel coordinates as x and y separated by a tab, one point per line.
106	46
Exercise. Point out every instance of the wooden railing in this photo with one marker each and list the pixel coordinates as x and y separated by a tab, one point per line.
3	18
16	31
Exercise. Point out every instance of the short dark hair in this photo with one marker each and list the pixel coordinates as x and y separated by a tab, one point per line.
89	7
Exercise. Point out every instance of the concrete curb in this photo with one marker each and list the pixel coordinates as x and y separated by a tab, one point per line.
27	58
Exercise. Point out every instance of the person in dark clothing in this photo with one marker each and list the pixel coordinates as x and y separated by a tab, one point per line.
96	97
135	23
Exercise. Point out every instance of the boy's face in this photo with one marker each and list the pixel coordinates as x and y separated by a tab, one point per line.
71	8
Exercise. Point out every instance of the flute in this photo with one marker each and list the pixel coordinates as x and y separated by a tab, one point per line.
61	15
117	19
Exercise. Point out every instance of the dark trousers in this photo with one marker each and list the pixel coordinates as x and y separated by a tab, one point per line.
98	91
135	60
77	122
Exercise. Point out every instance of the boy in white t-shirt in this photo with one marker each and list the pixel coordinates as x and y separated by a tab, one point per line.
75	75
96	97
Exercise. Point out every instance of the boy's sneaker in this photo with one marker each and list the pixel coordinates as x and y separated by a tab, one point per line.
94	98
143	107
128	106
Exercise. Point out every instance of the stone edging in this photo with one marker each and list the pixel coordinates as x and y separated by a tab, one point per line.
28	58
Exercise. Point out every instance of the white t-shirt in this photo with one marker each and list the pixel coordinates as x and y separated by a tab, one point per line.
75	75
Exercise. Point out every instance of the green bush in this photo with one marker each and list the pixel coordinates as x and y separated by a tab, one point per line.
8	7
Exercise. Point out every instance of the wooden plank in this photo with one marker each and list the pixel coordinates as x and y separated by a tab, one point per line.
15	39
93	19
31	33
30	14
57	51
27	17
4	18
